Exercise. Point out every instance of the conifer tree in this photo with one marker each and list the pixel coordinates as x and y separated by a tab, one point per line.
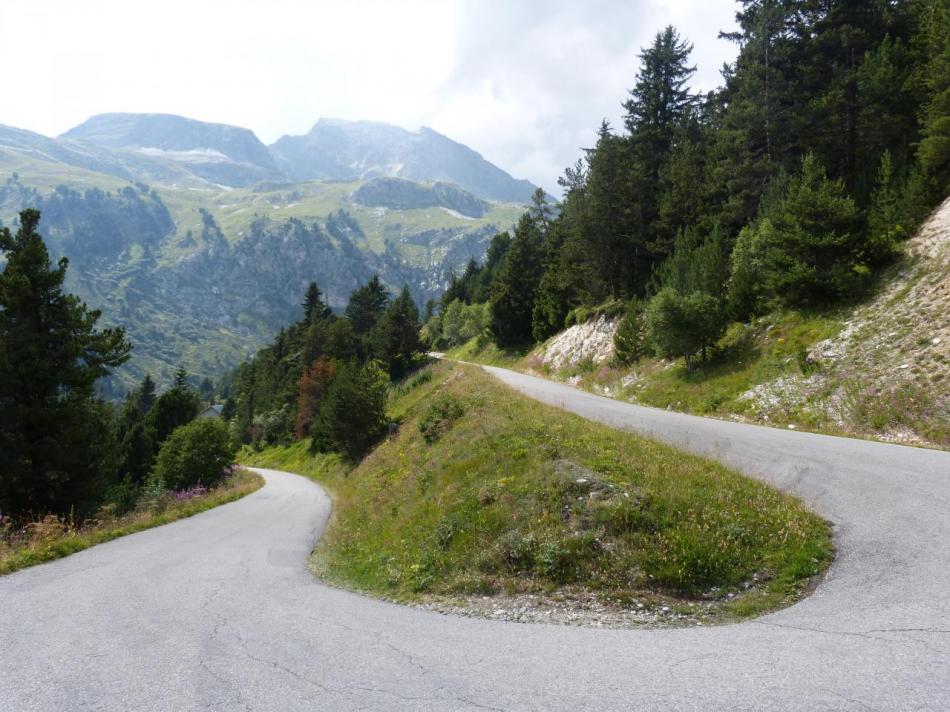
352	415
515	286
311	387
146	395
314	307
172	409
812	248
53	438
367	303
660	100
395	338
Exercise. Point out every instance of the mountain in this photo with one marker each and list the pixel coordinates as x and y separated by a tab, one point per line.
216	152
347	150
167	234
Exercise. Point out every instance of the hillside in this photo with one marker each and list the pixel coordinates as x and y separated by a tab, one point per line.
486	502
203	273
878	369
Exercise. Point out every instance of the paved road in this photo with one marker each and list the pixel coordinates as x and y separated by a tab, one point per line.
219	612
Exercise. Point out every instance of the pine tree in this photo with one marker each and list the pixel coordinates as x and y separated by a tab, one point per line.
682	325
395	338
145	398
314	307
172	409
341	342
311	387
541	211
659	105
812	249
660	101
888	222
698	264
630	342
352	415
934	150
609	234
515	286
52	435
367	303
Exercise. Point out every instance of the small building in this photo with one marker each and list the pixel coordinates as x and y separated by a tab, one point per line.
212	411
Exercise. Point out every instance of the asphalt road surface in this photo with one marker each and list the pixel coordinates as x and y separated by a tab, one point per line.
219	611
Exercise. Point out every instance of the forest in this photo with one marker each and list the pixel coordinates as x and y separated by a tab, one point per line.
327	376
789	186
67	451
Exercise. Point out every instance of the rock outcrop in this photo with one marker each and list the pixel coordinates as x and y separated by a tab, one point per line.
592	340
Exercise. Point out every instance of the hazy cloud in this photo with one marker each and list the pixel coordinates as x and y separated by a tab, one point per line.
525	83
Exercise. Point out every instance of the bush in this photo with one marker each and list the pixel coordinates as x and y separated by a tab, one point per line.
630	342
678	325
439	417
194	454
564	560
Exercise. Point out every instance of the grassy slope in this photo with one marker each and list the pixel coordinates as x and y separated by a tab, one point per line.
750	354
516	496
56	539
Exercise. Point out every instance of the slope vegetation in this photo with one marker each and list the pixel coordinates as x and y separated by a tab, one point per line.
487	499
878	369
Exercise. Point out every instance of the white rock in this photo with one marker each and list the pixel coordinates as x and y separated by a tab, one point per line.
593	339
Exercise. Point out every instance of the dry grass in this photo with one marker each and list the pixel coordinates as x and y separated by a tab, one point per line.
51	537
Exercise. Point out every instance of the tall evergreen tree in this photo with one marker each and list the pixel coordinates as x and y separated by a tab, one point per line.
660	100
395	338
145	397
314	307
934	150
811	244
52	434
367	303
516	284
172	409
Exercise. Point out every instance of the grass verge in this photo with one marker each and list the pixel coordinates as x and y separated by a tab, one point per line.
53	538
765	372
486	493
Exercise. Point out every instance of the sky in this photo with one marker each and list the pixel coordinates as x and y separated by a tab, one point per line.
523	82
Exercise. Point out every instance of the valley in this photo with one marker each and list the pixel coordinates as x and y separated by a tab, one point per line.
189	236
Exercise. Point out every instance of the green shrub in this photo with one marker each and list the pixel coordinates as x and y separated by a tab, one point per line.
630	342
679	325
565	559
517	550
439	417
194	454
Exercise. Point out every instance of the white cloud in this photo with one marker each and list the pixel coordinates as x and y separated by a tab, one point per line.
523	83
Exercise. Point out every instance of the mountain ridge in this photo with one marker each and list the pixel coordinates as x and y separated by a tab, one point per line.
172	148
